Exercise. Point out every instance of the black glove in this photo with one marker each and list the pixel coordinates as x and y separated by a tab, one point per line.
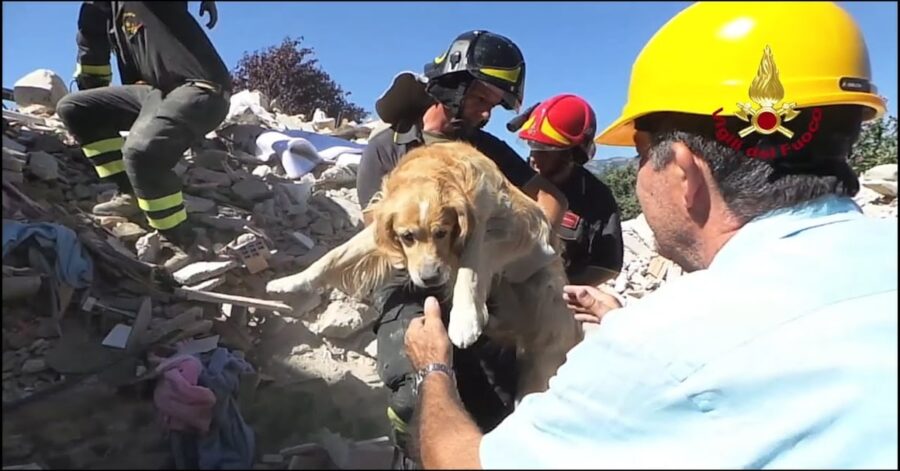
87	81
210	7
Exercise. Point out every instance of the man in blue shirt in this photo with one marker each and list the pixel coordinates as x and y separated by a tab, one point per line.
779	348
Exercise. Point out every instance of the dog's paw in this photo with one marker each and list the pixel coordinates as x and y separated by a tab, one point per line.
297	283
466	325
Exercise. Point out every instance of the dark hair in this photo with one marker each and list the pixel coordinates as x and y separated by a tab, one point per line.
753	186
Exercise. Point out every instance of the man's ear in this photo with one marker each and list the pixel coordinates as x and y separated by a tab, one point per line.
693	180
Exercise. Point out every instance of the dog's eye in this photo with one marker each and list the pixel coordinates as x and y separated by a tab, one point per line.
408	237
440	233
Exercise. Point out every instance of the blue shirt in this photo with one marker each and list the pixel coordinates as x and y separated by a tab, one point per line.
783	353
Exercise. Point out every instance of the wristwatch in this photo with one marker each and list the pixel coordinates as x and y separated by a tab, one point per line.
431	368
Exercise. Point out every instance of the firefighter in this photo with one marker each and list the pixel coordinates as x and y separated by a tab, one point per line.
560	132
175	90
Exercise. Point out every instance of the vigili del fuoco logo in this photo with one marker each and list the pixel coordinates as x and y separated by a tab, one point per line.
767	114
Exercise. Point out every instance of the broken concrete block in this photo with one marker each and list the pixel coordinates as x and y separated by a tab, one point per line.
196	204
148	247
304	239
18	287
209	284
41	87
82	192
13	161
34	365
887	172
110	222
372	348
322	226
352	210
12	144
128	231
46	143
253	251
224	223
212	176
43	165
881	179
343	318
884	188
13	177
201	271
261	171
211	158
251	190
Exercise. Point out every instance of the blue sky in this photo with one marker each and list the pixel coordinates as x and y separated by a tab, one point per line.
578	47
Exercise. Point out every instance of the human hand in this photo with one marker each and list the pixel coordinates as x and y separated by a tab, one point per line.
588	303
426	338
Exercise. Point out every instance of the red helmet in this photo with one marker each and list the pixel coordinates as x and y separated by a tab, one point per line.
563	122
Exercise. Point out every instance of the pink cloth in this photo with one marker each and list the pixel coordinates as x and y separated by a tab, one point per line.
182	404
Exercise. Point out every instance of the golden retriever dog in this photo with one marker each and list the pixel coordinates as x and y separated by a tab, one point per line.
449	217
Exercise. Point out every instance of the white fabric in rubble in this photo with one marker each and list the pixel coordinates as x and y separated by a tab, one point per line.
302	151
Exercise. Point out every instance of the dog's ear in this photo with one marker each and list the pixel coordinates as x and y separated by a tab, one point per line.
465	218
385	238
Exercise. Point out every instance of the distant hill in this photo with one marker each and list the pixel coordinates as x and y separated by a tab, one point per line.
600	166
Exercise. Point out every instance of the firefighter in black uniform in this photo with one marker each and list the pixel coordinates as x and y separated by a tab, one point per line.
453	101
560	132
175	90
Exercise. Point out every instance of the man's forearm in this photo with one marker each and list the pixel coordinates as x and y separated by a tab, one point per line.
448	437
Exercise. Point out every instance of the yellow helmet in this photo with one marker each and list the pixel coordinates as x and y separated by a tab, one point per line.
708	55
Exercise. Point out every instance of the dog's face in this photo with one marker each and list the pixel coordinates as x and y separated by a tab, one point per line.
424	225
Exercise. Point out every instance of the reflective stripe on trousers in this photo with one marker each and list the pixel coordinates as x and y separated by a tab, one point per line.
106	156
165	212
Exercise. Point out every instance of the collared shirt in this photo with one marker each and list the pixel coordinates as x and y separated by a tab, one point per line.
782	354
384	151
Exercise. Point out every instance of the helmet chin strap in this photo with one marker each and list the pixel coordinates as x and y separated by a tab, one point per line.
457	122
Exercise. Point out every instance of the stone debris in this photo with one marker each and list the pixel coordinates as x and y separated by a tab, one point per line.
255	223
43	165
881	179
39	91
201	271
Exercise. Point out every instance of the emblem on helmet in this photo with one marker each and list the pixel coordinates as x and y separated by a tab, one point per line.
766	92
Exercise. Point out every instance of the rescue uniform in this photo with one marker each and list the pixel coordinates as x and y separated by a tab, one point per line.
485	372
184	96
591	229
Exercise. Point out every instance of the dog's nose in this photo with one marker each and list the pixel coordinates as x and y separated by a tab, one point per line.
430	274
432	279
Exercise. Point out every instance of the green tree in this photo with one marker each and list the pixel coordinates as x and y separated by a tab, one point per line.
289	74
877	145
621	181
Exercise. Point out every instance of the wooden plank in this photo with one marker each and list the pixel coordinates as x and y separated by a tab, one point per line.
220	298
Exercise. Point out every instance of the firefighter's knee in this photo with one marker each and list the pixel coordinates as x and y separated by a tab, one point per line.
137	154
74	114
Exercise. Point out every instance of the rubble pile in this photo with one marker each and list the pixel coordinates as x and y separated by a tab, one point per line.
644	269
102	338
